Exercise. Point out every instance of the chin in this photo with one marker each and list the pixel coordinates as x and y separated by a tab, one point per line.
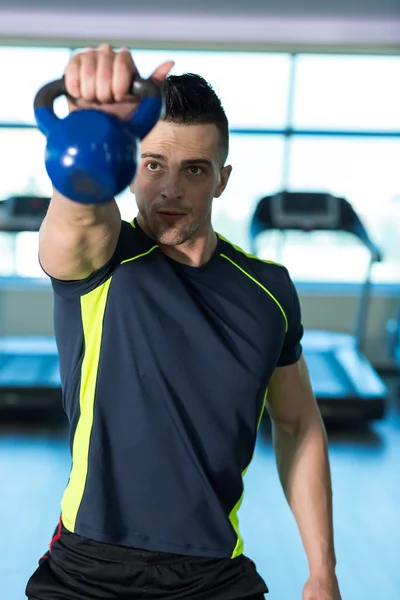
172	237
170	234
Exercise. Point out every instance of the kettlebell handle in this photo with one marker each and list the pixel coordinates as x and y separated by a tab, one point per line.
142	88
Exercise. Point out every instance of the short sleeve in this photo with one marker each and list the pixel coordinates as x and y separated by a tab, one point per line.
292	349
76	288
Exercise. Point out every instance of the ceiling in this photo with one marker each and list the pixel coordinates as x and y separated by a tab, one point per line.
362	9
358	25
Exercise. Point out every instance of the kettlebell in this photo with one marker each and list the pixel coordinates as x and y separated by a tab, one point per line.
92	156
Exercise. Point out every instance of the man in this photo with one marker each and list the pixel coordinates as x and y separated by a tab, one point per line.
168	338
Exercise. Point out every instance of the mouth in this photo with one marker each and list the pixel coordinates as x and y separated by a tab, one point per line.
171	215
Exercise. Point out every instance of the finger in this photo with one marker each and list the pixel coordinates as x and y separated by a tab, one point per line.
104	73
123	74
88	75
72	77
162	71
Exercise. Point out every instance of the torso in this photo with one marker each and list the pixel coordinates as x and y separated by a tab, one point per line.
165	369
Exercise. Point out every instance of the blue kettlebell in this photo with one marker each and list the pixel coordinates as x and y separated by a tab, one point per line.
92	156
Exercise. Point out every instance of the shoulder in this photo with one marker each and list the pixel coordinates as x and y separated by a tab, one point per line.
131	244
268	271
272	277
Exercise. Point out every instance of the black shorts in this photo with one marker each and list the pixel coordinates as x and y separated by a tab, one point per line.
76	568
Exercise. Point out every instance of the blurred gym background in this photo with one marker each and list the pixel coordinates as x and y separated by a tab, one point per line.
312	93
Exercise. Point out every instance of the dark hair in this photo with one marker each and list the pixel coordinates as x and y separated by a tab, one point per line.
191	100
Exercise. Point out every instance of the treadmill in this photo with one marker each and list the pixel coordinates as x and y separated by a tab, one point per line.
346	386
29	367
393	330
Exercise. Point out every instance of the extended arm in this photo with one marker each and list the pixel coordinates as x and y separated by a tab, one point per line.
301	449
77	239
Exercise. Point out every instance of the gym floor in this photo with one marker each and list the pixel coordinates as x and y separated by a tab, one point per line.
34	466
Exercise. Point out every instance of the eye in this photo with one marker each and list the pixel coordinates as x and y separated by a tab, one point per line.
152	166
194	170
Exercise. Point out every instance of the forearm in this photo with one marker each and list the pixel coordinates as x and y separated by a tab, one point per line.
75	239
303	466
63	212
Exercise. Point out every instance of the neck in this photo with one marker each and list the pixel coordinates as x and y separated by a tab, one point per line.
195	252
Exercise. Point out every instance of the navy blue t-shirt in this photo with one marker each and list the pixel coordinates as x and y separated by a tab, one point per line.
164	371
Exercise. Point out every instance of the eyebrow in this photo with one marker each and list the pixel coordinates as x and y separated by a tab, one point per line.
190	161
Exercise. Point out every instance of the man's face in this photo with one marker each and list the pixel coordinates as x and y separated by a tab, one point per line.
179	175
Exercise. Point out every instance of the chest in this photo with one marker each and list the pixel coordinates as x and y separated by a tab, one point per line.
220	325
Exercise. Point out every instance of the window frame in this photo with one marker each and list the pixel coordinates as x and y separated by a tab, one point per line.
288	132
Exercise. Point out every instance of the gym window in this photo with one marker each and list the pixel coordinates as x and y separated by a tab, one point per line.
302	122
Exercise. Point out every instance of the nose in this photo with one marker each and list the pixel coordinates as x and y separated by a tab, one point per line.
173	188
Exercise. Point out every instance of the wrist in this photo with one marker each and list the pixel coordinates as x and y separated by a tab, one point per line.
325	568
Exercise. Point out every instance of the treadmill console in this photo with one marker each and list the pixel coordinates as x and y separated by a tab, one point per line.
23	213
28	206
305	211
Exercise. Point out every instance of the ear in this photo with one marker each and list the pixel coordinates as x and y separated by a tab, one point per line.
225	174
132	186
